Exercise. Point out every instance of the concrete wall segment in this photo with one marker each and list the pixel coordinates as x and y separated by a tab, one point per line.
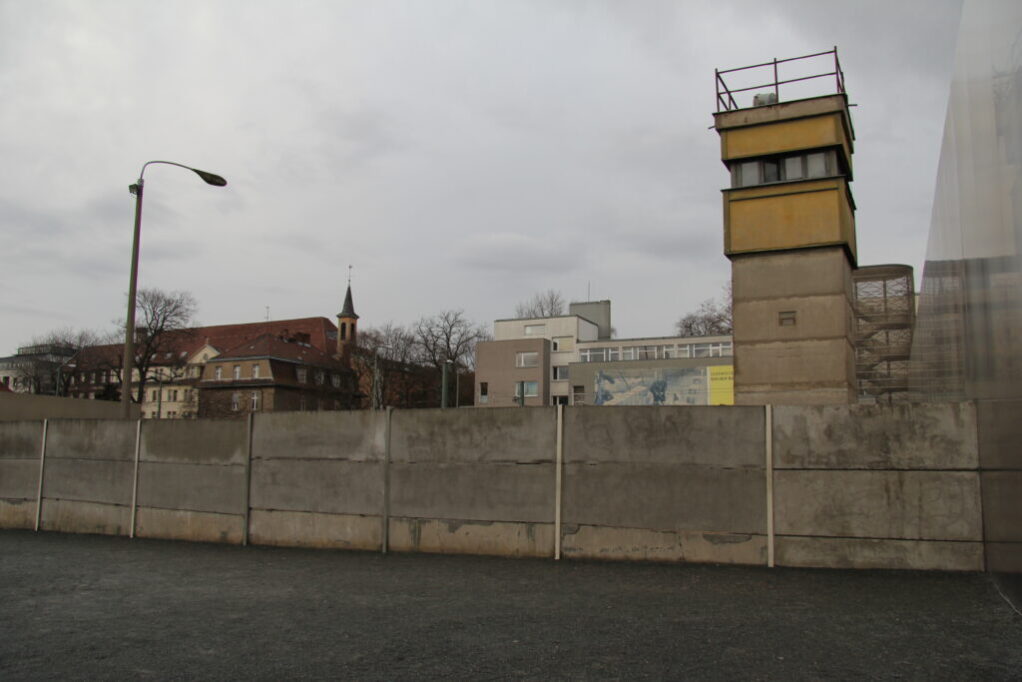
103	481
641	544
684	436
19	479
192	526
910	505
473	492
204	441
22	406
353	435
498	435
1000	434
663	497
20	440
187	487
304	529
908	436
1002	505
70	516
336	487
437	536
863	553
91	439
17	514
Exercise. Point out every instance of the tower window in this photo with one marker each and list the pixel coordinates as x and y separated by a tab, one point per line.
786	318
785	168
344	331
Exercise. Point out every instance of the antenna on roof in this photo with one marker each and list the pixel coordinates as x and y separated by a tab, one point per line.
349	275
267	313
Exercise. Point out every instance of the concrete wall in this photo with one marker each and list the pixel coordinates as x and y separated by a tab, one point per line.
480	481
860	486
23	406
878	487
665	483
317	479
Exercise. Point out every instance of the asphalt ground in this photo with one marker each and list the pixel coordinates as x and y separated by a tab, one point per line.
90	607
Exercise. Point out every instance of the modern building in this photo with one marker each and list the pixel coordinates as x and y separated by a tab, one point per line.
573	360
36	369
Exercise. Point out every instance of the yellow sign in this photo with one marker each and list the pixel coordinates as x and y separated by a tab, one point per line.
722	384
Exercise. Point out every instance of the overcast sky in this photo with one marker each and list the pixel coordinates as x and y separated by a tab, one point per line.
460	155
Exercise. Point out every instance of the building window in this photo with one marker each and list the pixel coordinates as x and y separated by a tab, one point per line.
783	168
484	392
155	396
613	354
253	401
561	400
628	353
786	318
237	372
560	373
235	401
700	350
816	165
646	353
535	329
531	389
592	354
219	373
527	359
319	377
335	379
255	371
303	376
555	345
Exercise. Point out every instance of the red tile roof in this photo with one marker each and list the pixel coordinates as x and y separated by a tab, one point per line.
320	332
270	345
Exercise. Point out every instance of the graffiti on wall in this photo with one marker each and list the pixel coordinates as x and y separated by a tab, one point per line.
665	386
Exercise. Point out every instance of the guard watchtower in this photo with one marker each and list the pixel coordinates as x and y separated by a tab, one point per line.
789	231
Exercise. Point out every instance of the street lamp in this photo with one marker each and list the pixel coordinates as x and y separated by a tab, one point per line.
129	325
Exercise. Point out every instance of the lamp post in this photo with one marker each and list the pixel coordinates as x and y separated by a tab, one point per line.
129	325
443	385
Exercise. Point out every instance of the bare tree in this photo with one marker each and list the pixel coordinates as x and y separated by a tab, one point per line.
163	332
549	303
712	318
44	369
385	366
449	335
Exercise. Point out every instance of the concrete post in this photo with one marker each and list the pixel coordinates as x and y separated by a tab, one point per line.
134	479
558	482
385	513
249	423
42	469
768	412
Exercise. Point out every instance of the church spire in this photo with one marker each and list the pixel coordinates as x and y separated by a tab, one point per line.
347	324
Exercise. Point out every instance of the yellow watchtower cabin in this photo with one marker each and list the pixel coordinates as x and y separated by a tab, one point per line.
789	231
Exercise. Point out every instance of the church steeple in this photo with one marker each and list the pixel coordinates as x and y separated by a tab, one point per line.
347	324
